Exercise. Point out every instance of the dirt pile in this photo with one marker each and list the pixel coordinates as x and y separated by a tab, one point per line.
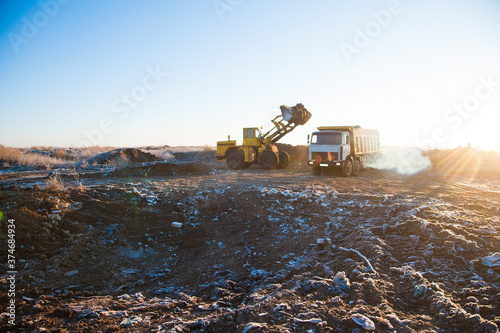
123	155
203	156
161	169
298	154
257	251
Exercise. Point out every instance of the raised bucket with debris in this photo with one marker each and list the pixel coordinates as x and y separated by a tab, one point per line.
297	114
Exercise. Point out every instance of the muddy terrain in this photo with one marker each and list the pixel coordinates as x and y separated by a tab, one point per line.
190	246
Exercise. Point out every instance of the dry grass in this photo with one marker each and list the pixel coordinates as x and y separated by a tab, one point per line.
89	152
53	157
55	184
14	156
48	157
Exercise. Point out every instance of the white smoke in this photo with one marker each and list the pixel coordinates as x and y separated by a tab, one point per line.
404	161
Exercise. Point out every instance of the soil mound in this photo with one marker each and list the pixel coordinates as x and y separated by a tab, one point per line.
163	169
128	155
205	156
297	153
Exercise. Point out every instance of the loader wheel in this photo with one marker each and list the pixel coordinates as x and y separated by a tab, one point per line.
234	160
247	165
269	159
347	169
356	167
316	170
284	159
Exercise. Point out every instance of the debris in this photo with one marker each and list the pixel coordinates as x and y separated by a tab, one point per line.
240	256
114	314
297	114
280	307
363	321
487	230
395	319
362	256
55	217
76	206
308	321
130	271
257	327
258	274
493	260
322	241
70	273
342	282
420	290
130	321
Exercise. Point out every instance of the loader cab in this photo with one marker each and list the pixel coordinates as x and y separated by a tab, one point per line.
251	136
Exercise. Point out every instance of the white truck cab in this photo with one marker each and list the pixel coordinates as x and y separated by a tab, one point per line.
341	147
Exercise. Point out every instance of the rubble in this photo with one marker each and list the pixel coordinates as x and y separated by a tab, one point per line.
363	321
492	261
257	253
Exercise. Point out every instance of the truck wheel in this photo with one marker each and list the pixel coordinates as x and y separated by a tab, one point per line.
316	171
234	160
284	159
347	169
356	167
269	159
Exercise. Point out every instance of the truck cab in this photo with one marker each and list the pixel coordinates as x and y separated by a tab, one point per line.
342	147
329	148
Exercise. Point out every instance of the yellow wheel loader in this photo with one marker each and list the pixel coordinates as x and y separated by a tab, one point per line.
261	148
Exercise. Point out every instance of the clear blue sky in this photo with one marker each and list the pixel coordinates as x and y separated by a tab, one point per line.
133	73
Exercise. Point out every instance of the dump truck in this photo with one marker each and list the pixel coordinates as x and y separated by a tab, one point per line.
345	148
260	148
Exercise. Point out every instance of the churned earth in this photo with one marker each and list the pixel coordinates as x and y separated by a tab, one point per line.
192	247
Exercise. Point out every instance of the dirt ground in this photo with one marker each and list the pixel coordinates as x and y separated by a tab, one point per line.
200	248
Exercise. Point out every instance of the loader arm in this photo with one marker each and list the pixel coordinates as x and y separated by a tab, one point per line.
279	130
290	118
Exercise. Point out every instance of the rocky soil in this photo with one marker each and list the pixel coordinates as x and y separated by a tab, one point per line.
189	248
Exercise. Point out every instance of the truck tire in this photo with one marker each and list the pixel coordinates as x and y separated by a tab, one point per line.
316	170
269	159
356	168
347	169
234	160
284	159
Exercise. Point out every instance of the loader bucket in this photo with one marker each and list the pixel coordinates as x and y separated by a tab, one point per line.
297	114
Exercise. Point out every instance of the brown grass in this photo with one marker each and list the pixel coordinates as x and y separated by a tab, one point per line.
55	184
56	157
14	156
208	148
